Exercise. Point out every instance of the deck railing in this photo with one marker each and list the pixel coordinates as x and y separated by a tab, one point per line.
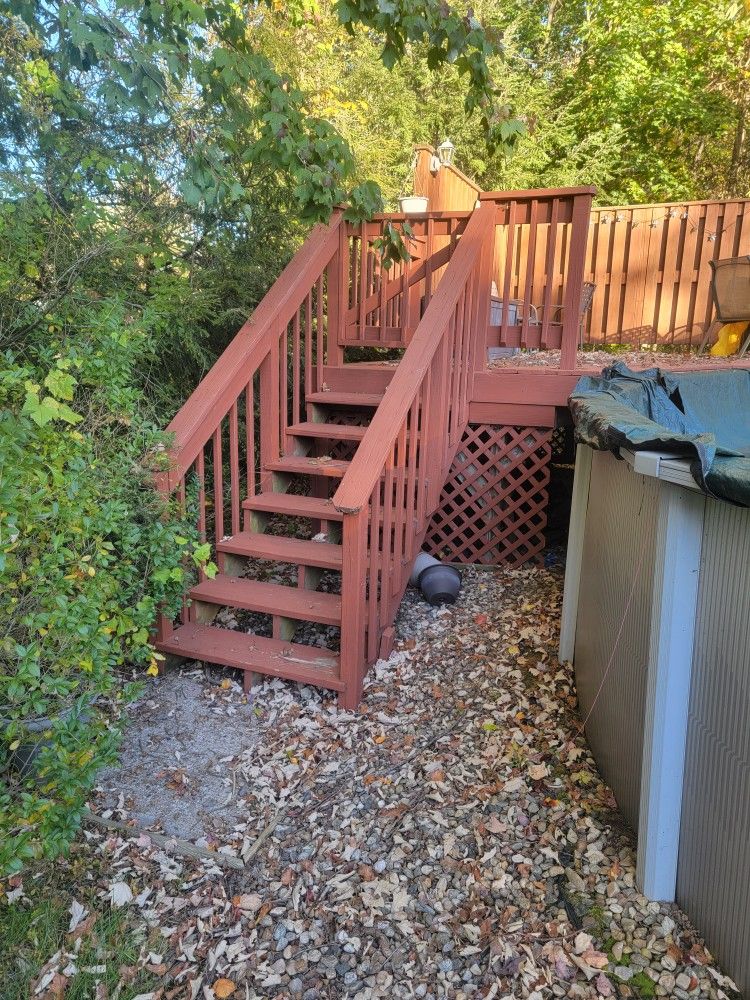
385	305
222	438
393	484
540	253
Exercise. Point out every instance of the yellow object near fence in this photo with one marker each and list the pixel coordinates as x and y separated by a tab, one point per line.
729	339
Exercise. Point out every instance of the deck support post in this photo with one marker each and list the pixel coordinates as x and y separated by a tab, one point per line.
574	558
675	597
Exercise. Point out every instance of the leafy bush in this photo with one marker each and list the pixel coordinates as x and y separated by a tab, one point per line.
88	551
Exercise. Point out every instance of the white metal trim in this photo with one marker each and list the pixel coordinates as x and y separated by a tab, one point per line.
574	556
675	597
662	465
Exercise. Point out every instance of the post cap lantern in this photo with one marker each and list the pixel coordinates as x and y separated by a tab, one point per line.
446	149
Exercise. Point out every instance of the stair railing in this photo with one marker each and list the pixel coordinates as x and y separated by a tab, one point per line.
220	448
393	485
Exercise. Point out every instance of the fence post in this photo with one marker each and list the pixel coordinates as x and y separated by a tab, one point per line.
579	232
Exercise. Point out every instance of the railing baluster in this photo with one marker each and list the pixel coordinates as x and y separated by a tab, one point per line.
375	570
423	497
284	384
362	281
529	283
218	485
250	436
234	469
399	518
296	412
386	576
320	334
549	267
428	263
308	343
509	260
412	445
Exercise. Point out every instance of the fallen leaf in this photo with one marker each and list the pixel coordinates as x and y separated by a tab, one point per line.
538	771
595	959
120	894
77	912
224	988
582	942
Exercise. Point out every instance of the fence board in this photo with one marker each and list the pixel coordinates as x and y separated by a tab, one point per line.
654	286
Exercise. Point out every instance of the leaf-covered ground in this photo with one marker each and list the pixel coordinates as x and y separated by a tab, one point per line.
451	839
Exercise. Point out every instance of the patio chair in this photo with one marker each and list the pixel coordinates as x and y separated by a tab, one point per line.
587	295
730	291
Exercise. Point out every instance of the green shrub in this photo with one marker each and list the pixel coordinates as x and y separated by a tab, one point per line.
87	555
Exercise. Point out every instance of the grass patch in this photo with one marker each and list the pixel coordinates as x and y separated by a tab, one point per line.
33	930
643	985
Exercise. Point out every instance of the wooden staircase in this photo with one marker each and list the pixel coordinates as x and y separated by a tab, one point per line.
323	469
297	498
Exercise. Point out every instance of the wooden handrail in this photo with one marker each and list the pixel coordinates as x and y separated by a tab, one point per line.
365	470
204	410
537	194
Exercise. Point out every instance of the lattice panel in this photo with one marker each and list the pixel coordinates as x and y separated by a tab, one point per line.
493	508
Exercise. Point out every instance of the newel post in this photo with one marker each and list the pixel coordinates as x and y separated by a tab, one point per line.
571	320
353	606
338	297
482	288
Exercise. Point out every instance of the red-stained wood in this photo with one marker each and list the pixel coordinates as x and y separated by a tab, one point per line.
437	306
574	279
292	505
254	653
269	599
277	548
230	374
371	455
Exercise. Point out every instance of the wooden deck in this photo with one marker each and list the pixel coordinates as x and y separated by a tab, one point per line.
358	400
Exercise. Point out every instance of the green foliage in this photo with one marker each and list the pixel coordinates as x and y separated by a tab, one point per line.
86	558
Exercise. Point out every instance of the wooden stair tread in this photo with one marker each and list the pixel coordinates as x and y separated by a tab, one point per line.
333	432
275	657
335	398
309	466
283	549
293	506
270	599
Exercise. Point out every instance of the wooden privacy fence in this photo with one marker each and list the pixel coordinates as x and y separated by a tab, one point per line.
650	264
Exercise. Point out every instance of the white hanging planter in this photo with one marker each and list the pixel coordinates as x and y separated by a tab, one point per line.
413	204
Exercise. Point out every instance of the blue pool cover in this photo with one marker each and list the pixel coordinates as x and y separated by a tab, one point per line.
701	415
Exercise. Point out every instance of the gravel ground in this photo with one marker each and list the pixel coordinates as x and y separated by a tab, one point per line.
601	359
450	839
